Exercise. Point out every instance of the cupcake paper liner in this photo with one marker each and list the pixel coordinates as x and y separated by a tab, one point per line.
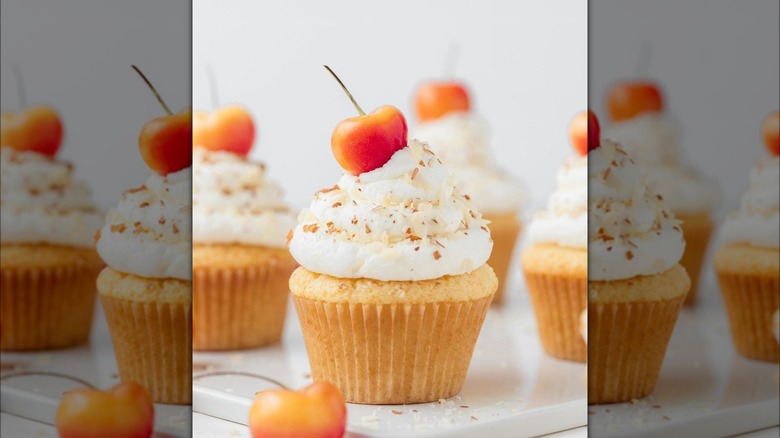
750	303
153	346
697	237
626	347
558	302
504	233
391	353
238	308
46	308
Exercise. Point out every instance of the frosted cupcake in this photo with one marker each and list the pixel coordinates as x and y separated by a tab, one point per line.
459	137
652	137
556	262
748	262
240	262
393	286
146	290
48	261
636	286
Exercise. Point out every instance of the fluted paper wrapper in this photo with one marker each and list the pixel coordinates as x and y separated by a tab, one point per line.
504	234
46	308
153	346
750	302
558	302
697	237
239	308
626	347
391	353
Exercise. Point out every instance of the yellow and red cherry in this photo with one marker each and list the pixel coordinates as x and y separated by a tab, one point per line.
585	132
228	129
123	411
626	100
36	129
166	142
437	99
366	142
316	411
771	131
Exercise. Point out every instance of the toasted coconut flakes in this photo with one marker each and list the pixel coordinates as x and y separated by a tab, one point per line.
436	255
289	236
175	229
629	255
143	204
421	163
354	220
336	204
118	228
607	173
414	238
161	221
416	248
414	172
311	228
335	187
368	229
468	198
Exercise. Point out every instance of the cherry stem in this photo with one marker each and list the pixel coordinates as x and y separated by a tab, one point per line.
48	373
20	85
156	94
357	107
241	373
451	61
645	55
212	86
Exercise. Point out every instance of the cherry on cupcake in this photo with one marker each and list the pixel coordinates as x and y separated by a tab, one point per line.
316	411
771	132
123	411
436	99
366	142
166	142
228	129
35	129
628	99
584	132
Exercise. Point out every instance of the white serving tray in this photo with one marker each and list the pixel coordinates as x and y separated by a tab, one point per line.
512	388
29	403
705	388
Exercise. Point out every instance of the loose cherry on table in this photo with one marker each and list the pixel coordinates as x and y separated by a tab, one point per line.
123	411
584	132
437	99
316	411
229	129
626	100
366	142
166	142
771	131
36	129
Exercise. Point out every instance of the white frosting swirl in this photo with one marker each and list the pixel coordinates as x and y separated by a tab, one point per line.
630	232
757	221
234	202
149	233
565	222
653	141
404	221
42	203
460	139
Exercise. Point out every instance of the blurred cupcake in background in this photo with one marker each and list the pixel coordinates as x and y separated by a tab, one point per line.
240	262
652	137
636	285
748	262
556	262
459	137
48	261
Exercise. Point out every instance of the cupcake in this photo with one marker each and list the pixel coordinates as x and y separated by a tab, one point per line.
48	260
146	289
393	285
459	137
240	262
748	263
636	286
651	136
556	262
